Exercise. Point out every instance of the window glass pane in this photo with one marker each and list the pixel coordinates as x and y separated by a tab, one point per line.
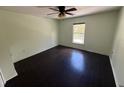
78	33
79	28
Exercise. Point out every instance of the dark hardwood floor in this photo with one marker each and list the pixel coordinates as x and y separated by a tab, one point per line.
63	67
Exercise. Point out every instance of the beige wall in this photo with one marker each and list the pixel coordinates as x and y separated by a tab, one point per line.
118	50
22	36
100	29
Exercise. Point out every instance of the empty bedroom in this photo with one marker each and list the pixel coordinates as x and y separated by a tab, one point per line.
61	46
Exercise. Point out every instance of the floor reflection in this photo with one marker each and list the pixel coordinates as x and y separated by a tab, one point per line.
77	61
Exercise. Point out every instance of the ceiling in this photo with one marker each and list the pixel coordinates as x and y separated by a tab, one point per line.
44	10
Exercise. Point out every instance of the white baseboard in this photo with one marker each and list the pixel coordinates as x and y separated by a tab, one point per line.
116	82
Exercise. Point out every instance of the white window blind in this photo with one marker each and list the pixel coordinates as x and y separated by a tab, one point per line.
78	33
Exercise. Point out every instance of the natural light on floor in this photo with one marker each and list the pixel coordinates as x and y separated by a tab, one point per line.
77	61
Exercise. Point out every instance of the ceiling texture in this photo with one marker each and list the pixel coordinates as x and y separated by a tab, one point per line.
44	10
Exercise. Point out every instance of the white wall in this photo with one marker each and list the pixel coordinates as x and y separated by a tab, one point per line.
22	36
118	50
100	29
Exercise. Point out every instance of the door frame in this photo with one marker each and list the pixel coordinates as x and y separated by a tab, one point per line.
1	76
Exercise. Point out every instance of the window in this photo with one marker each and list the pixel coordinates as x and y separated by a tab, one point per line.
78	33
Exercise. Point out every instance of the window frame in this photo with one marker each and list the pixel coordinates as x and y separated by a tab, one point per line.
73	33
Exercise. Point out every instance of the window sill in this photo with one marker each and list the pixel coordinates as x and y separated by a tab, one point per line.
78	43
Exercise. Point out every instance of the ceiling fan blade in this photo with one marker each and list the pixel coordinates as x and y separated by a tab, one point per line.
54	9
71	9
69	13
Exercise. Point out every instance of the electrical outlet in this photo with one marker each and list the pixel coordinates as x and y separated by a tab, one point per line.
10	54
112	52
23	50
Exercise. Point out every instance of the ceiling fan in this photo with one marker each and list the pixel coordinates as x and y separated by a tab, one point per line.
61	11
